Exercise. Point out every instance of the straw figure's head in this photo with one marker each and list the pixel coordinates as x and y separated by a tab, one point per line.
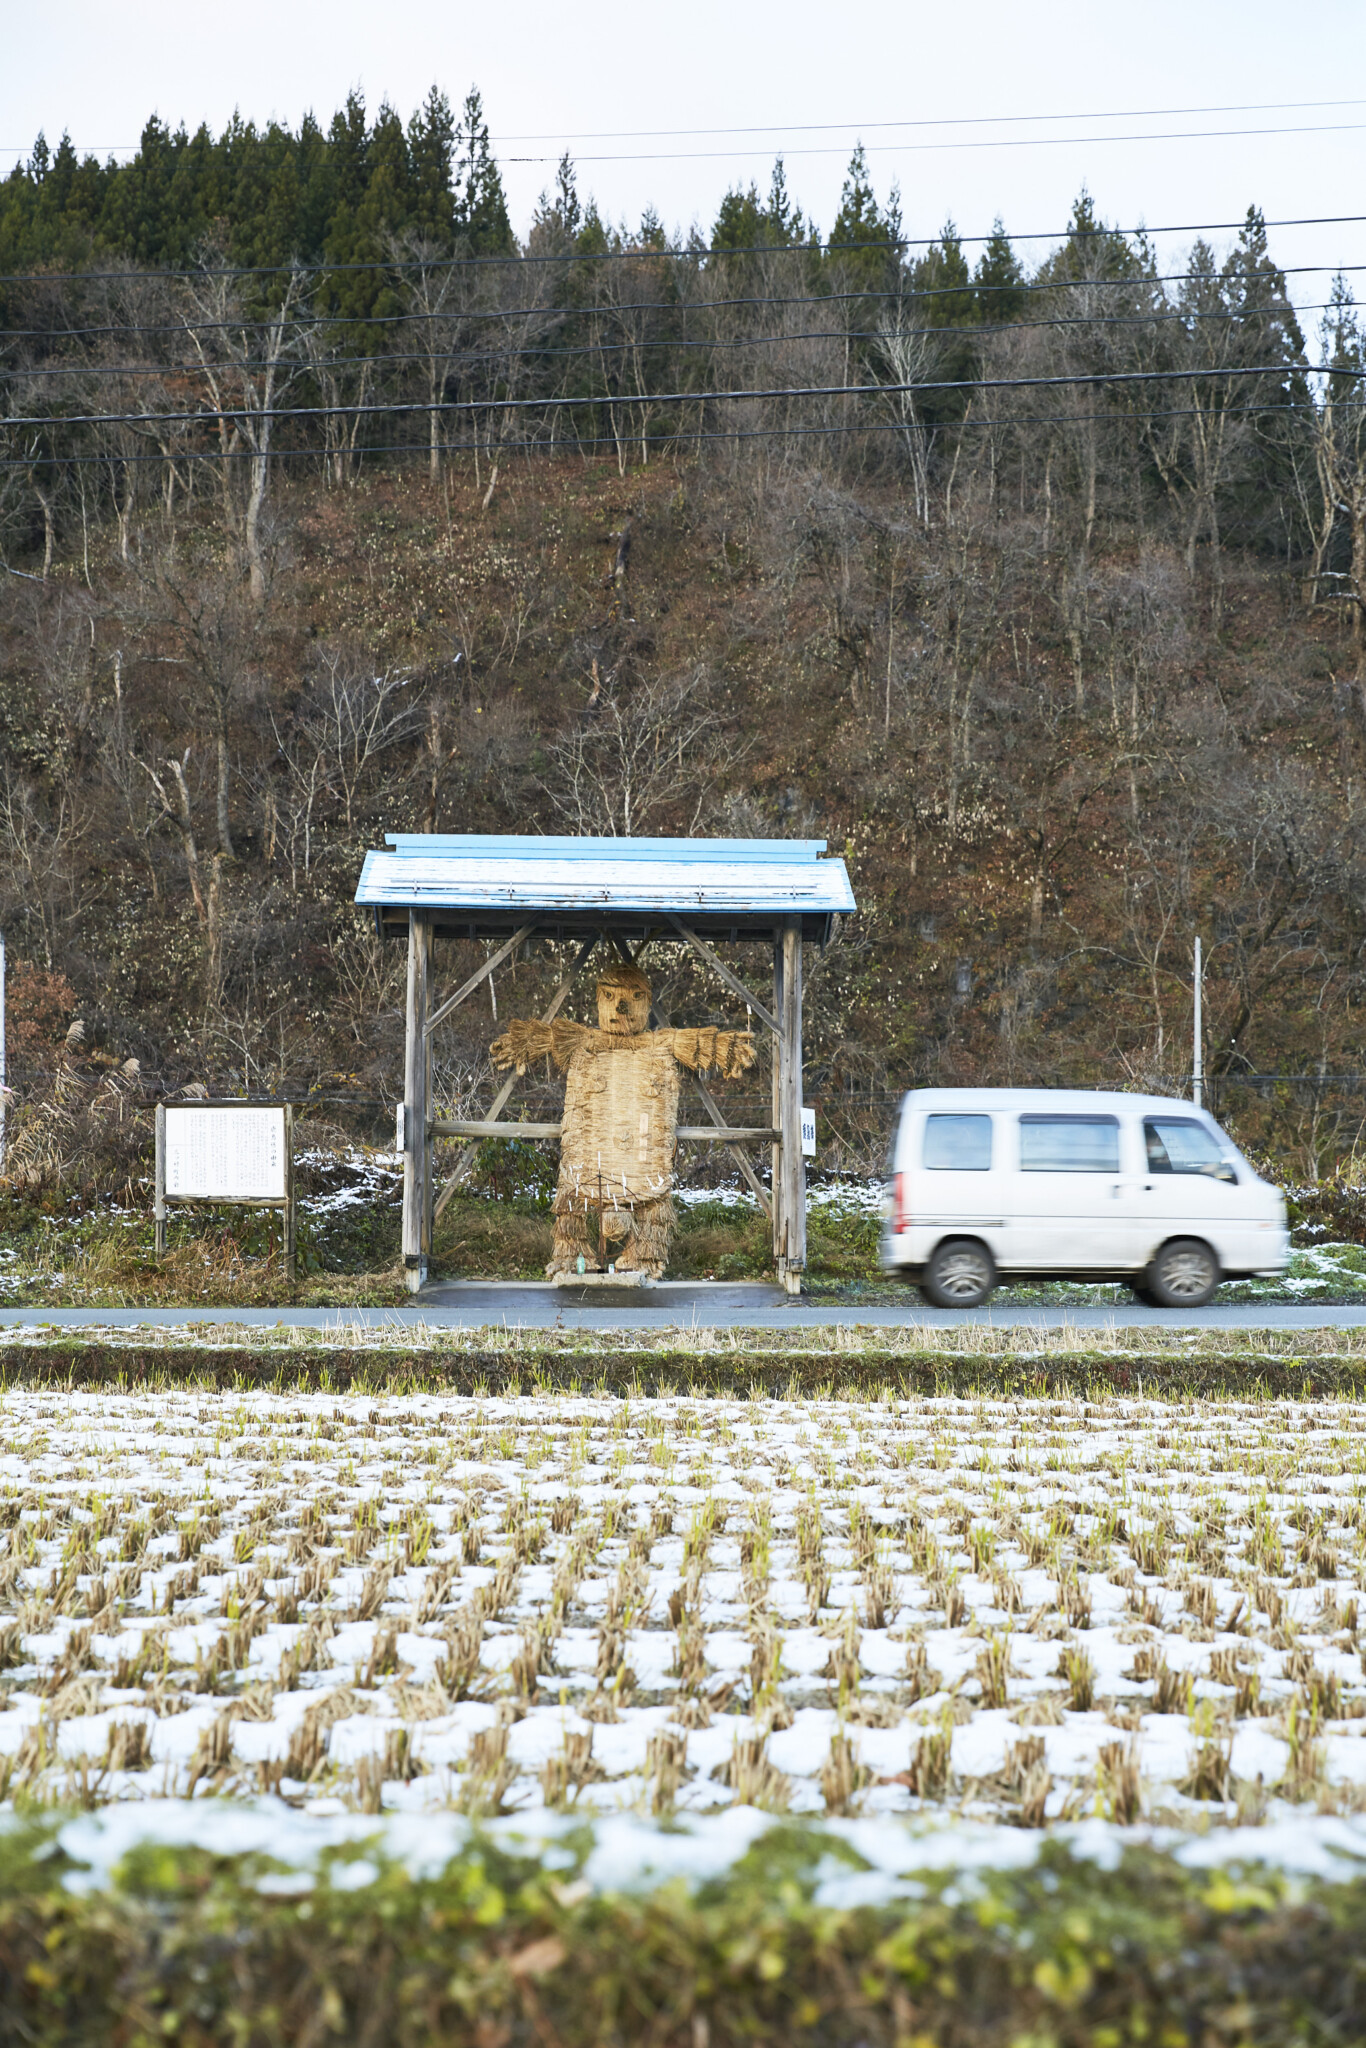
624	1002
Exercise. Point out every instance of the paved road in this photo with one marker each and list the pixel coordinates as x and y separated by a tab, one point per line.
472	1304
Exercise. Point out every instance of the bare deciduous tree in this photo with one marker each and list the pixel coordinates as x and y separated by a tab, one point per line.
1340	460
644	753
911	358
247	360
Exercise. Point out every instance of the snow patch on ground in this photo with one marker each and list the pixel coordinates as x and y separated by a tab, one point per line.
870	1862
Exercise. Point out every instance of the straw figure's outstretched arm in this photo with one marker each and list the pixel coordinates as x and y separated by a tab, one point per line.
524	1041
728	1052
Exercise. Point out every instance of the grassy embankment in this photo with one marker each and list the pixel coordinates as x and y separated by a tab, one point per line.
495	1950
851	1362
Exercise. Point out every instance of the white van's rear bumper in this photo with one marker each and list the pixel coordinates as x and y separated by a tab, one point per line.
1258	1251
908	1251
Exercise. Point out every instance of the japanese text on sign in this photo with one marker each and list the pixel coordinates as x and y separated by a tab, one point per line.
229	1155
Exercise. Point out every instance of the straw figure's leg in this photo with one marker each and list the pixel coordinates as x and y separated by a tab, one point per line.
576	1237
647	1248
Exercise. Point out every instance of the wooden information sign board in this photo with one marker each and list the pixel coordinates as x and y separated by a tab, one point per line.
226	1151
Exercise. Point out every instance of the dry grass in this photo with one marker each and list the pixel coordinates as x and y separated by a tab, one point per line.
487	1240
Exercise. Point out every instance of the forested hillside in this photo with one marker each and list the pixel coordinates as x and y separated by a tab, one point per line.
1032	581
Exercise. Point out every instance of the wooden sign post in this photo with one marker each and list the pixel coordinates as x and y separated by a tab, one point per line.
226	1151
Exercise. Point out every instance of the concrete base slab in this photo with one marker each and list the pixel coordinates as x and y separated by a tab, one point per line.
542	1301
606	1290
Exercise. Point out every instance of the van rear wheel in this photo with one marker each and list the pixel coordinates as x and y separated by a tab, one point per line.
961	1274
1184	1274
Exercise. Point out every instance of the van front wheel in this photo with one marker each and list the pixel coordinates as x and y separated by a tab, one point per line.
1184	1274
961	1274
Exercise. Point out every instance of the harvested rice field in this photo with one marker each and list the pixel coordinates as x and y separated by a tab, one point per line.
1025	1611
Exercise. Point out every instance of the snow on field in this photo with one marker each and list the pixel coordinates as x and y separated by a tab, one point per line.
1023	1612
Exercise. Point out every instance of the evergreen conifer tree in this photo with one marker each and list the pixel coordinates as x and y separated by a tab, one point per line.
863	241
783	223
739	221
998	280
431	153
480	209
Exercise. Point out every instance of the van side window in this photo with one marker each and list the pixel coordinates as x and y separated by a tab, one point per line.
1069	1144
957	1144
1178	1144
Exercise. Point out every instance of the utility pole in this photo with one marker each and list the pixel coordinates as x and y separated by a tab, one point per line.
1198	1064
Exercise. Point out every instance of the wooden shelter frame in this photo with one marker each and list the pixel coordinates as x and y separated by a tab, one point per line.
624	894
780	1016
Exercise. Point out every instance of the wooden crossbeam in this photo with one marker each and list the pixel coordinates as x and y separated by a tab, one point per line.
490	1127
690	1134
726	1134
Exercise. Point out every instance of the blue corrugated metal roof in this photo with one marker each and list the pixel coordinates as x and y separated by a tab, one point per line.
483	872
535	846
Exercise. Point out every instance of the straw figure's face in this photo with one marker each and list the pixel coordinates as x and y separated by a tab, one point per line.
624	1003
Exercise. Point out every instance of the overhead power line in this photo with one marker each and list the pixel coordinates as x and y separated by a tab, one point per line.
884	244
943	143
664	438
900	293
543	351
855	127
399	408
643	156
939	121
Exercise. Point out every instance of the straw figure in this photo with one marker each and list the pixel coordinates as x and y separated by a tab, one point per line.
617	1137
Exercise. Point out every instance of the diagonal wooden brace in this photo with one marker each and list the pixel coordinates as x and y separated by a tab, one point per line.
440	1015
732	981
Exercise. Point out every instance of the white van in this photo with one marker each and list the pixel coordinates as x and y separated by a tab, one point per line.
1070	1184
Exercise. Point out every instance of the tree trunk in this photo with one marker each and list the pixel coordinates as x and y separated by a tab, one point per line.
48	531
213	973
225	845
1216	565
256	498
186	826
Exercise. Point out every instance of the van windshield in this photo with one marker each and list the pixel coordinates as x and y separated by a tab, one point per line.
957	1144
1178	1144
1069	1144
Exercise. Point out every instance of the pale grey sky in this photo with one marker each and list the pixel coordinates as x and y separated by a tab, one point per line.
564	75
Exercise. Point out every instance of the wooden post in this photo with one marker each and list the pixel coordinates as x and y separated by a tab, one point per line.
779	1235
790	1121
428	1151
159	1199
289	1193
416	1143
